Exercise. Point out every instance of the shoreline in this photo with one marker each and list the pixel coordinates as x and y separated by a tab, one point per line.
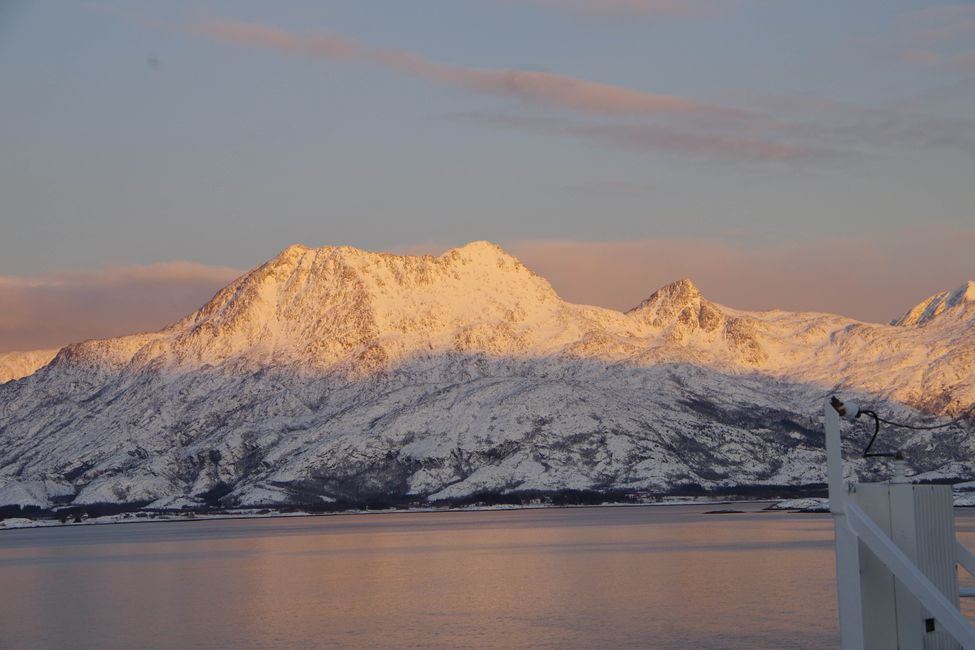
143	517
802	505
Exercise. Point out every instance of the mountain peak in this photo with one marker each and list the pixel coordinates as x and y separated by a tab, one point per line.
964	293
676	295
321	305
938	304
294	249
482	247
289	254
482	252
683	287
335	374
475	251
675	301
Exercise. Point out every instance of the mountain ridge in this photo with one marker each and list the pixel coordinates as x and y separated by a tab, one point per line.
336	374
959	302
20	364
649	310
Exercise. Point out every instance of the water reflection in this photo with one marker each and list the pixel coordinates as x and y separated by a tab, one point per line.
595	577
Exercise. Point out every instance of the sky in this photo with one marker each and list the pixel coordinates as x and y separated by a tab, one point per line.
781	154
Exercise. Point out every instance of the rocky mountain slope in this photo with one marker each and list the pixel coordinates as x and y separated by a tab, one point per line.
337	374
15	365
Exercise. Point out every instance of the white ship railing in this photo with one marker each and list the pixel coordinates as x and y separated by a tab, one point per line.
854	527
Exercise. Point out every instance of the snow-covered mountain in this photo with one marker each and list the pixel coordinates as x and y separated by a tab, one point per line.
954	305
14	365
338	374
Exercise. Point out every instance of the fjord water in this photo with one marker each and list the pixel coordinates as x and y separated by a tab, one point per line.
660	577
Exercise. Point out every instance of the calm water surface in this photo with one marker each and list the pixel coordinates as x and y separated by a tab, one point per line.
657	577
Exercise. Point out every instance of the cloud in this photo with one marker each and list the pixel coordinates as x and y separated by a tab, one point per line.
54	309
960	63
917	56
930	38
939	24
547	89
863	277
624	117
855	130
647	137
641	8
802	128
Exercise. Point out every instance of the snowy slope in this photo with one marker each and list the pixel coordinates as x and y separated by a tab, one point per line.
335	373
954	305
15	365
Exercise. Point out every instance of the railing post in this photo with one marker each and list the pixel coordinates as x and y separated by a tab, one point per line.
855	529
847	547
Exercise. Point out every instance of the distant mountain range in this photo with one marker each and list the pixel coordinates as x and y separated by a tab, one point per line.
337	375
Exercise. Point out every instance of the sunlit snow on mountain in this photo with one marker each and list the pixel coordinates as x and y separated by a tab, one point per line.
334	374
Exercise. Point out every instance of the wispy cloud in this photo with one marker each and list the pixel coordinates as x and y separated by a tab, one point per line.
934	37
851	127
58	308
529	86
800	129
648	137
939	24
641	8
678	124
963	63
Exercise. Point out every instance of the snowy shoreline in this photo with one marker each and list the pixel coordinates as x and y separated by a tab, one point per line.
806	505
137	517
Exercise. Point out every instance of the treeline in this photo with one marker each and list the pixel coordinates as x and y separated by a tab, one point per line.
564	497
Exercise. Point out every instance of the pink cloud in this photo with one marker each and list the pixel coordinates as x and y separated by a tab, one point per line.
58	308
926	37
846	128
651	8
652	137
700	123
529	86
681	124
935	25
917	56
941	12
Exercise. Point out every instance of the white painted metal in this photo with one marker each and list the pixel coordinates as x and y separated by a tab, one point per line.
933	523
921	522
834	458
878	588
847	548
910	576
965	557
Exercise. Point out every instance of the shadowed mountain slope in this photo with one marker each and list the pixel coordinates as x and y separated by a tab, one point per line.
338	374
